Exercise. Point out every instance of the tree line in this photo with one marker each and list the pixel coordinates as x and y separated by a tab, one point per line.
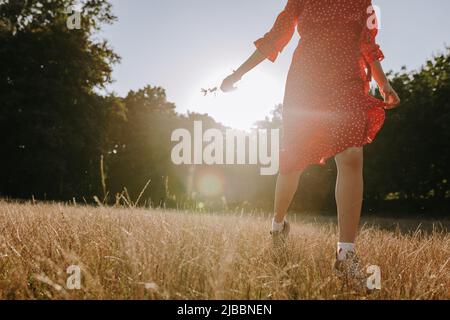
63	138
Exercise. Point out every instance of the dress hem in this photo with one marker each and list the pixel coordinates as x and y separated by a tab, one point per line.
370	136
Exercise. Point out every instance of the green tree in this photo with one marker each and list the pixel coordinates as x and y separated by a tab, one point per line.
141	151
413	151
52	118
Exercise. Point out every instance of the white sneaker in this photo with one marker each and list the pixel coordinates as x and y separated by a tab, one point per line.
351	272
279	238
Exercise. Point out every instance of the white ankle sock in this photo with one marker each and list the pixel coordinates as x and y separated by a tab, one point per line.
276	227
343	248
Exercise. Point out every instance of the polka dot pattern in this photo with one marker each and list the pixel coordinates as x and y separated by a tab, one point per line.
327	107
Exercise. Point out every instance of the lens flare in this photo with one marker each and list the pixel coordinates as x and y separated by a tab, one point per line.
210	185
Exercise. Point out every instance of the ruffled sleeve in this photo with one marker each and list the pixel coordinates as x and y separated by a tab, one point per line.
370	50
281	33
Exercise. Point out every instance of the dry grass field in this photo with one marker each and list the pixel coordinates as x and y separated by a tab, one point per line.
141	254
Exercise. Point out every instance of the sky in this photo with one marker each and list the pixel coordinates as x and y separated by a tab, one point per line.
184	46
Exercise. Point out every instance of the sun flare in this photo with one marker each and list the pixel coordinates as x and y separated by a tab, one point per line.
257	95
210	185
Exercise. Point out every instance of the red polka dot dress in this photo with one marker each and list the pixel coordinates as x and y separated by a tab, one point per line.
327	106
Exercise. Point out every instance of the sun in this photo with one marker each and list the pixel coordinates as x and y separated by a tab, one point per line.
257	95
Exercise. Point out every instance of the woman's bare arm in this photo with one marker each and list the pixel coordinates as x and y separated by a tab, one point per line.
390	96
255	59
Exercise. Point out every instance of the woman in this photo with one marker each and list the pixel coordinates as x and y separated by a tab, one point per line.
327	109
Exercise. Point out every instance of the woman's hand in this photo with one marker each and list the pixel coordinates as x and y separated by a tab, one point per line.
229	82
390	96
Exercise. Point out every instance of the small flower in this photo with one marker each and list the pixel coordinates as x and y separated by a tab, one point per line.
205	92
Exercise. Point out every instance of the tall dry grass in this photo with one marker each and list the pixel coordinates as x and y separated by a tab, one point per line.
141	254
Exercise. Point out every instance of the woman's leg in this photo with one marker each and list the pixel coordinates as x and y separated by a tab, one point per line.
349	192
284	193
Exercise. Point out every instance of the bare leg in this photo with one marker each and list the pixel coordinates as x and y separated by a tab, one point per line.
349	192
284	193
